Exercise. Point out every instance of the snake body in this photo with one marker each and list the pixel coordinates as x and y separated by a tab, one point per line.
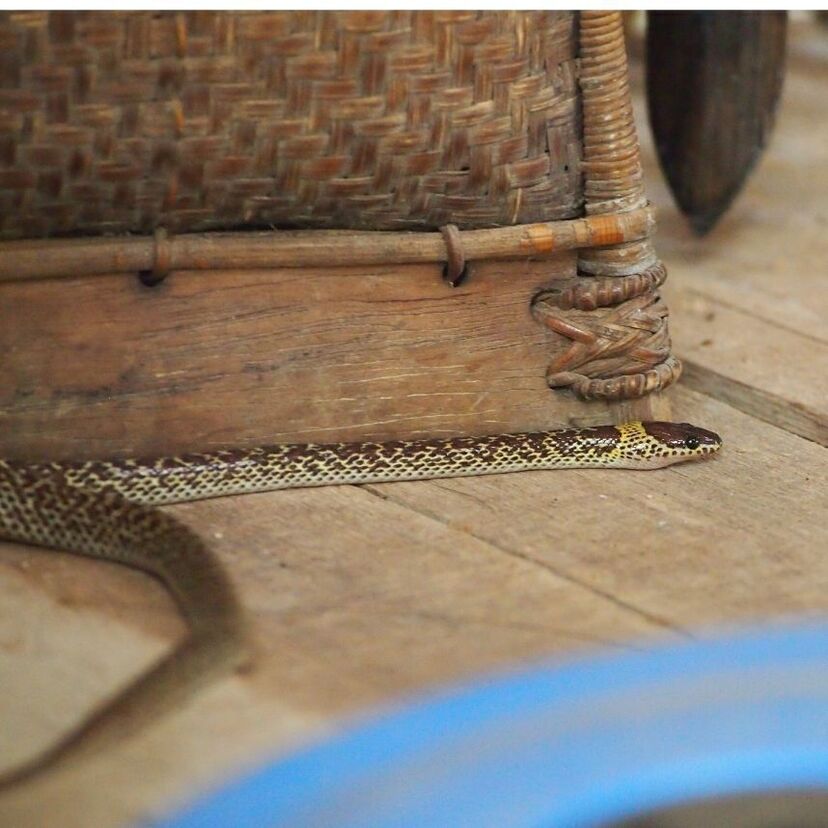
107	510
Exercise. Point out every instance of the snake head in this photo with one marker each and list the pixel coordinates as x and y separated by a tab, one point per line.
655	444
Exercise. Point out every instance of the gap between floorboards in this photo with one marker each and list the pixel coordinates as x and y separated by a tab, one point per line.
763	405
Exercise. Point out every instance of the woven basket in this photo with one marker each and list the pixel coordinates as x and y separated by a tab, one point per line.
510	133
124	122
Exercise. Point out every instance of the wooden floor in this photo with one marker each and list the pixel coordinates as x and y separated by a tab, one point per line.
360	595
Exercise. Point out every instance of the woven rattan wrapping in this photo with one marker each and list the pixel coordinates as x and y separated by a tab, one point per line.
114	122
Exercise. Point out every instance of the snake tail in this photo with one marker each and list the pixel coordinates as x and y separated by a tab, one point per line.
107	526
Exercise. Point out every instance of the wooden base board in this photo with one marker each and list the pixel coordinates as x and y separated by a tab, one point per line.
105	366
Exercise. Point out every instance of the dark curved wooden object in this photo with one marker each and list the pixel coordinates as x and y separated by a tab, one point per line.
713	84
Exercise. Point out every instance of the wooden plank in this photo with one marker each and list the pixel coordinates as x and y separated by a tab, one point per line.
749	309
737	537
353	600
771	408
774	373
105	366
357	596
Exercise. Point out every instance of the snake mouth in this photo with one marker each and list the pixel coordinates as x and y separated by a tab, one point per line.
709	441
712	443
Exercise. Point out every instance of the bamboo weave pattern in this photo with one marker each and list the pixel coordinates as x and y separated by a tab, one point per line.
123	122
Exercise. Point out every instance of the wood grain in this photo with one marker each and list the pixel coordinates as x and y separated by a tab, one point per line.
749	301
104	366
676	543
800	419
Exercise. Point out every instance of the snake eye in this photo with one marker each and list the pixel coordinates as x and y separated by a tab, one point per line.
692	443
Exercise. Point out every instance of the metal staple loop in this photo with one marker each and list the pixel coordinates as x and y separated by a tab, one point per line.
455	269
161	259
163	254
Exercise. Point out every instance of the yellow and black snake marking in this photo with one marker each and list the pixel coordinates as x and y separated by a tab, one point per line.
106	510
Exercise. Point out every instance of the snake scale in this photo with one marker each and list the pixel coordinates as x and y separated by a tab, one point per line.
107	510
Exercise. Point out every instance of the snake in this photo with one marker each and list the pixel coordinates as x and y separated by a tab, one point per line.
109	510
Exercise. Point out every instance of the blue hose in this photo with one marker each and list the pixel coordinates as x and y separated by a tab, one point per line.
583	744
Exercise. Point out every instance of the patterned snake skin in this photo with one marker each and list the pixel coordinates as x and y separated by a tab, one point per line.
106	510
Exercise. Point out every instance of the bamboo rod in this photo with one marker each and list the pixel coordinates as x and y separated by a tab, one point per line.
66	258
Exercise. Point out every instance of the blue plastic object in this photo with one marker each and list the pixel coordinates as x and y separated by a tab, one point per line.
582	744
